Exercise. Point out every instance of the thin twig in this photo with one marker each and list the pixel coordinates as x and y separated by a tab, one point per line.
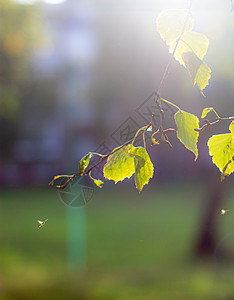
168	102
210	124
166	72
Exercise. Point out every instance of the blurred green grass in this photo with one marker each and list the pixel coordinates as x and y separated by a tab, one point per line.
138	246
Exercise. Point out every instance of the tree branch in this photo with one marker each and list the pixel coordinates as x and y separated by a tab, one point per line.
86	172
210	124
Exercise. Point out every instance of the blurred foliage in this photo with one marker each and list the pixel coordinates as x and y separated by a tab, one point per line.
20	33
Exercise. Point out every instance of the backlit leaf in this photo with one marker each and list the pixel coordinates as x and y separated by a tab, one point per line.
186	123
191	46
98	182
231	128
191	41
202	77
84	162
144	168
192	63
154	141
190	52
221	148
170	24
119	165
206	111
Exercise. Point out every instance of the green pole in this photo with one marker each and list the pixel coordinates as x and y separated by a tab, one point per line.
76	235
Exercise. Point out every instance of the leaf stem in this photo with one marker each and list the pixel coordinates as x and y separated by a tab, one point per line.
214	111
154	133
138	131
143	137
168	102
97	154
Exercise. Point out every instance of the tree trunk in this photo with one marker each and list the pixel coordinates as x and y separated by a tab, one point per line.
207	237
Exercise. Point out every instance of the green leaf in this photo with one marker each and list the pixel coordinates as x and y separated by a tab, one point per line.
221	148
186	123
84	162
199	71
231	128
190	52
144	168
98	182
127	160
170	24
119	165
154	141
192	63
206	111
191	48
202	77
191	41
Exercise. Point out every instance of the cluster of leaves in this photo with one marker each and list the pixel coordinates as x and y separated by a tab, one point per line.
123	162
189	48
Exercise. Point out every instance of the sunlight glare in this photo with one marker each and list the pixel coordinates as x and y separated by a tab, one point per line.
54	1
28	2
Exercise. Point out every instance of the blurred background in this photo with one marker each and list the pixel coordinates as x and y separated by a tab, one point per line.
79	76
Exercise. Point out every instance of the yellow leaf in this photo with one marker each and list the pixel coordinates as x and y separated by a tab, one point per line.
206	111
202	77
144	168
190	52
119	165
191	46
154	141
192	63
231	128
98	182
221	148
190	42
186	123
170	24
84	162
